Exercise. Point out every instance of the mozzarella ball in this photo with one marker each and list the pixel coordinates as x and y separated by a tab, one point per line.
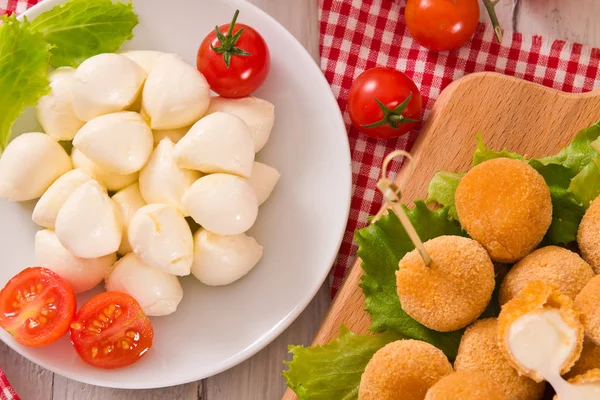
46	209
144	58
105	84
55	110
174	135
162	181
89	224
223	204
219	142
29	165
161	237
221	260
128	201
175	94
109	180
157	292
120	142
263	180
80	273
258	114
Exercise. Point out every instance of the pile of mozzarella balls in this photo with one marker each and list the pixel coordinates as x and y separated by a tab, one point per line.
145	129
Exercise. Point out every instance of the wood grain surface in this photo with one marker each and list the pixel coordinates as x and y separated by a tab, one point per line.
259	378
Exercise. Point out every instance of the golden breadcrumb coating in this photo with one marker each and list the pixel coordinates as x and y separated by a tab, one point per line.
553	265
589	359
591	376
536	296
588	236
453	290
505	205
588	303
479	351
466	385
403	369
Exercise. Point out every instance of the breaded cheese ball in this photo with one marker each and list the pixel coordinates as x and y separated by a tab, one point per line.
479	351
588	303
588	360
588	236
403	369
453	290
590	380
466	385
552	265
505	205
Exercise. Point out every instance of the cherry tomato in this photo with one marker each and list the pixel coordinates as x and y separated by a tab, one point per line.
384	103
111	331
36	307
234	59
442	24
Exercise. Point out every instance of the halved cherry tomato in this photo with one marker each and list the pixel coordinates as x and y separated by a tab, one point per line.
442	24
36	307
111	331
384	103
234	59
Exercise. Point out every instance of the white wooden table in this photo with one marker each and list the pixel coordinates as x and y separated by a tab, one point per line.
260	377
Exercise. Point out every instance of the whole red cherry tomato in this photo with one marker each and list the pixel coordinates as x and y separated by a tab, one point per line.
234	59
384	103
442	24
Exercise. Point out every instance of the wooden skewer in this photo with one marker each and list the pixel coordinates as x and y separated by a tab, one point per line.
392	195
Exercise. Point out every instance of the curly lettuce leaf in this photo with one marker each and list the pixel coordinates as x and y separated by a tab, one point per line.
333	370
441	190
585	186
381	245
79	29
24	58
482	153
579	153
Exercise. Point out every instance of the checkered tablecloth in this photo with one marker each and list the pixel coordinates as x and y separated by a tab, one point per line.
360	34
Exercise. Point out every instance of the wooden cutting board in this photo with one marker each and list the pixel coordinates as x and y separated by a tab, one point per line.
524	117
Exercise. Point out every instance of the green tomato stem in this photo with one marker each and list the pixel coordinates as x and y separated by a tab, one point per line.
490	6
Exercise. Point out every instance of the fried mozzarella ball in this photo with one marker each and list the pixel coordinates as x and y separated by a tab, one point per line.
224	204
55	110
174	135
453	290
263	180
162	181
403	369
585	386
539	332
588	360
104	84
81	274
128	201
119	142
89	224
221	260
175	94
257	113
466	385
29	165
46	209
144	58
553	265
161	237
588	235
219	142
109	180
505	205
588	303
157	292
479	351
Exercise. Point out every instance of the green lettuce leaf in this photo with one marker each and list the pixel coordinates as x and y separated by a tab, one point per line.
585	186
441	190
381	246
23	71
482	153
79	29
333	370
579	153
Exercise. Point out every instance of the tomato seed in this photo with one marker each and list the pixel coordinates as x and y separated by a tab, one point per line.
76	325
94	352
43	319
39	287
118	313
98	323
131	334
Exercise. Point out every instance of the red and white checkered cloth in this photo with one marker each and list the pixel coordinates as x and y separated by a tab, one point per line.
360	34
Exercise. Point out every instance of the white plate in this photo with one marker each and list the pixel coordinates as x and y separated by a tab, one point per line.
300	226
